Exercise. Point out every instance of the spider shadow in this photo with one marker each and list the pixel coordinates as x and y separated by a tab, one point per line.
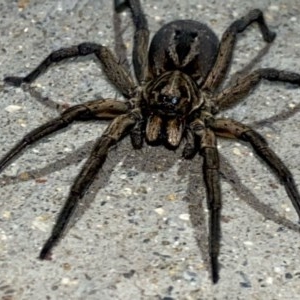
282	116
249	66
120	48
229	174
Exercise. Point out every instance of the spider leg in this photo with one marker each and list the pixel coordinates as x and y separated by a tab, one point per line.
231	95
209	151
141	40
137	135
114	71
97	109
117	129
190	148
217	75
233	129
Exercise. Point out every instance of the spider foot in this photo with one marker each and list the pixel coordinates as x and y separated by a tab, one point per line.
14	80
215	276
214	269
45	253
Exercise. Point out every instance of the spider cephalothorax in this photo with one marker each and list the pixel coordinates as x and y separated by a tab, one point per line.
169	100
175	99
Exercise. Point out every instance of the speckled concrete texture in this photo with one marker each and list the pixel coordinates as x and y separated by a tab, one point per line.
141	231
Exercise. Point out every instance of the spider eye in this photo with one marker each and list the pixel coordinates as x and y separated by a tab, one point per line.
170	99
174	100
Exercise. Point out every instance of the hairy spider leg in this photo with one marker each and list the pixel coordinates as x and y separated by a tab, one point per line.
97	109
233	129
219	71
231	95
117	129
208	150
213	195
114	71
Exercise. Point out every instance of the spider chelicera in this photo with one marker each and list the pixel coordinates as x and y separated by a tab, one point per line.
174	100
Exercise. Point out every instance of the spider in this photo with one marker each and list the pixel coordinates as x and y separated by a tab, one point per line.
174	100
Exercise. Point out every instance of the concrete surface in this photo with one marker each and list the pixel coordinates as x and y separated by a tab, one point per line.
143	235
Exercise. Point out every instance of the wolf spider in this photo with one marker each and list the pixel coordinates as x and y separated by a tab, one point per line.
174	100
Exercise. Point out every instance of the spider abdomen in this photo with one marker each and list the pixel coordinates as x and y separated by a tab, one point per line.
188	46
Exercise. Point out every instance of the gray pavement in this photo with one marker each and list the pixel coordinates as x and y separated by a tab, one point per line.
143	231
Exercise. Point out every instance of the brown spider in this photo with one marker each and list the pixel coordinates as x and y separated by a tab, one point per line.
174	101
